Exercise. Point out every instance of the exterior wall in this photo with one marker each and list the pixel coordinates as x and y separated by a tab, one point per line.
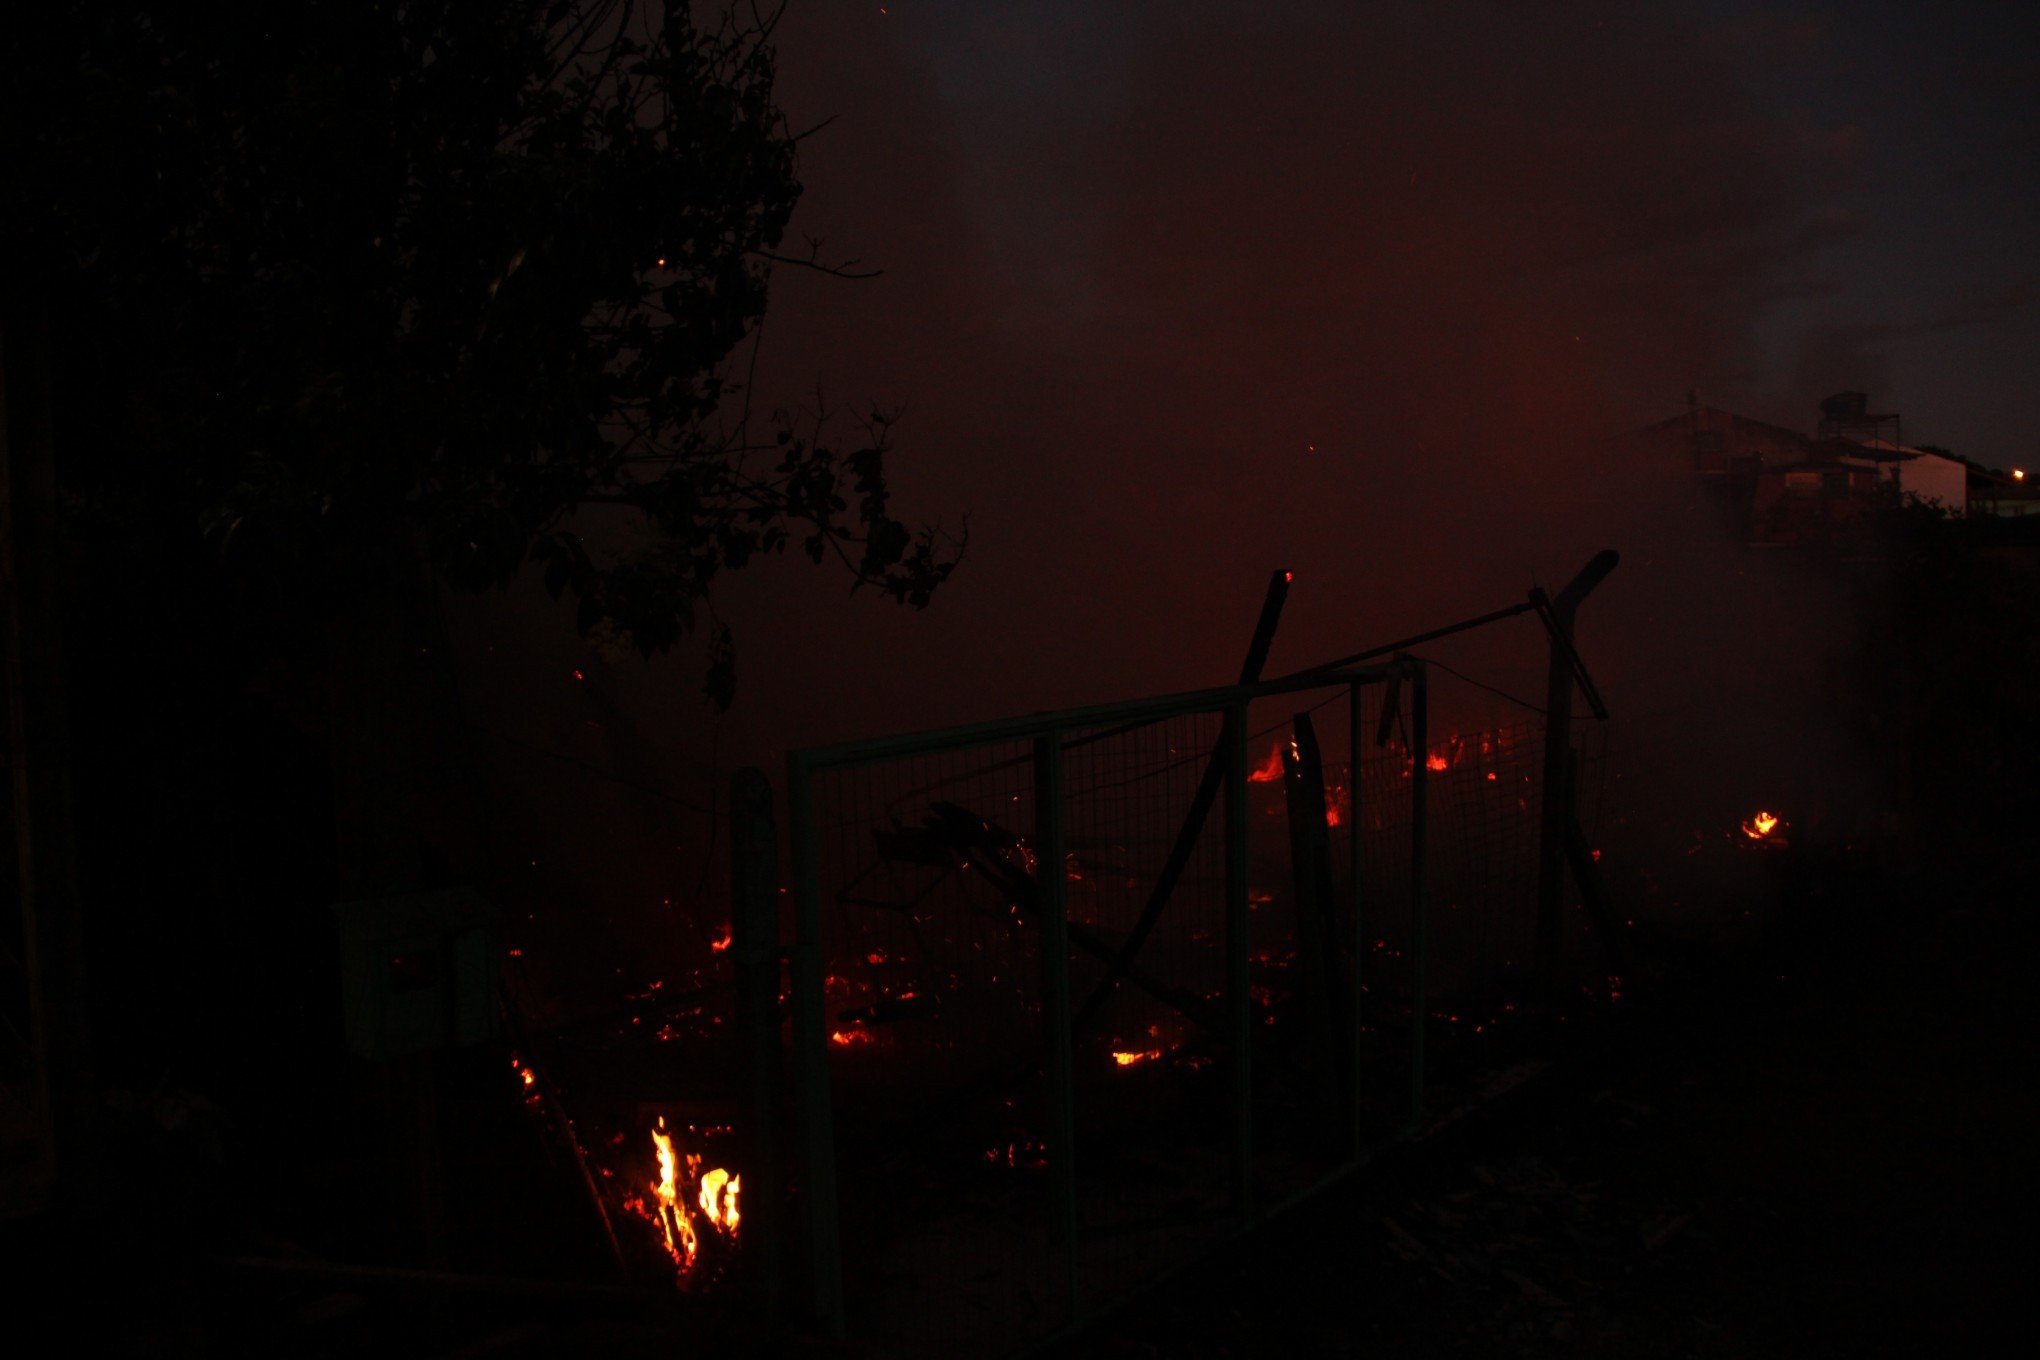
1812	503
1936	481
2000	497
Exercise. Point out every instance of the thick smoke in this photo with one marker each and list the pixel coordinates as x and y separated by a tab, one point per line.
1180	293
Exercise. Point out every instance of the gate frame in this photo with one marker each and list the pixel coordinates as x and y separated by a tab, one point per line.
815	1159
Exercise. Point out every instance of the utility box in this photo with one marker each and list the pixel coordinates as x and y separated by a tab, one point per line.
419	972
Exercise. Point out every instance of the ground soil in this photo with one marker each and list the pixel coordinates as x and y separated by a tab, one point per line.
1816	1140
1813	1139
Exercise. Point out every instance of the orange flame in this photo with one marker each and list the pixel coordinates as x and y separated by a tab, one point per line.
719	1198
1437	762
1127	1059
674	1221
683	1184
724	943
1270	769
1760	826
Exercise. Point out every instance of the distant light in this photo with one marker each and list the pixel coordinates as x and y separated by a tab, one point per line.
579	676
1288	576
2018	474
1310	448
662	262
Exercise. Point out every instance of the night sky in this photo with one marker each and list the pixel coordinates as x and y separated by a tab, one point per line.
1175	294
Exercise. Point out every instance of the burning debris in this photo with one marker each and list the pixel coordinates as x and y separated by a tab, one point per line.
683	1199
1153	1047
1020	1151
1270	770
1760	826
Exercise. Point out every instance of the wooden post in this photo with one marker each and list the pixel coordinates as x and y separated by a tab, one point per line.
1310	877
1555	812
1238	949
1193	821
1051	903
823	1245
1586	874
64	1161
1420	917
1556	817
1356	912
754	937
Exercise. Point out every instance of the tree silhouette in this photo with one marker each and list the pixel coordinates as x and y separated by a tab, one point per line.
342	277
339	297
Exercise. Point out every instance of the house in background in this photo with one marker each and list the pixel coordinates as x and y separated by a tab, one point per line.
1783	487
1922	475
1724	445
2002	495
1813	502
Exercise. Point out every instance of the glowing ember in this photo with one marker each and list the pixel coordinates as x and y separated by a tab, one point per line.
1760	826
1127	1058
1437	762
1270	769
724	943
844	1038
1020	1154
533	1097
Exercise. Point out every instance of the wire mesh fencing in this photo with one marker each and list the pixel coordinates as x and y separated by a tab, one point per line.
1076	993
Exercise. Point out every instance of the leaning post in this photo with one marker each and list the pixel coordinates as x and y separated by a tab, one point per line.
1556	812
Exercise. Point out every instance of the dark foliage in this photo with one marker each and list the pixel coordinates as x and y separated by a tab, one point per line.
1954	660
335	277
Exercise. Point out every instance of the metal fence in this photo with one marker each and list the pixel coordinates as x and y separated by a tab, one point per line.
1057	1029
1075	996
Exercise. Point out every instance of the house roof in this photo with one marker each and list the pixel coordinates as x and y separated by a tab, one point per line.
1692	414
1841	449
1885	446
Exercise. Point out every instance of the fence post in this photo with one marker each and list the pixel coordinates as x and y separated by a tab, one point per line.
1555	806
811	1057
1356	988
62	1096
1420	920
1238	950
1052	888
754	936
1310	873
1555	811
